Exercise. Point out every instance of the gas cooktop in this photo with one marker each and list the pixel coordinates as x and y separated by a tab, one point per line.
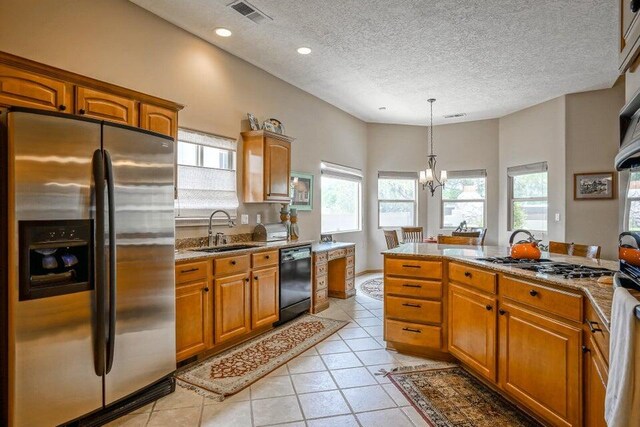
547	266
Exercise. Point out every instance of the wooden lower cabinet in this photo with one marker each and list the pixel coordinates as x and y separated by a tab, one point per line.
595	385
232	307
193	319
540	364
265	297
473	329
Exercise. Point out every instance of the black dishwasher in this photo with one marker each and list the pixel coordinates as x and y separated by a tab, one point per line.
295	282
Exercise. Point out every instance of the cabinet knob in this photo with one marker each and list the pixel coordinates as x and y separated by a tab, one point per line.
246	280
533	292
255	277
81	111
467	274
585	349
205	289
233	263
266	256
502	312
62	107
635	5
489	307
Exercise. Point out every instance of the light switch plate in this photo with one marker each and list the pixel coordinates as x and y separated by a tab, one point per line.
244	219
258	218
557	217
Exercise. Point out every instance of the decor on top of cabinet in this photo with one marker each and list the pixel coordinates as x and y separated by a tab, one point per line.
253	122
294	229
593	186
278	126
267	125
301	191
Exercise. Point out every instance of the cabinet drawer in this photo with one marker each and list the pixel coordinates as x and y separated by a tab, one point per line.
597	331
264	259
338	253
350	284
321	269
413	334
351	251
413	310
351	261
191	272
231	265
321	296
473	277
350	272
321	282
563	304
413	268
413	288
321	257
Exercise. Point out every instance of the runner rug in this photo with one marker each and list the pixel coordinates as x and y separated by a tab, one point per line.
449	396
229	372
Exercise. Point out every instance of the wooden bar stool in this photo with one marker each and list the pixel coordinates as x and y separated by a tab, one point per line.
459	240
391	237
587	251
474	232
412	235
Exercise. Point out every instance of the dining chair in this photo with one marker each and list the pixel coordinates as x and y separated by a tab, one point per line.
412	235
559	247
473	232
459	240
391	237
587	251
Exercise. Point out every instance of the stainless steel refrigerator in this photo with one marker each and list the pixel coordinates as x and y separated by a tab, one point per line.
91	292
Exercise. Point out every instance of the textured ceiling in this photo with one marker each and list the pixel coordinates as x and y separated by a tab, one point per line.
485	58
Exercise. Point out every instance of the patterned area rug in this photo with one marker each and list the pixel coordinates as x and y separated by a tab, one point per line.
232	370
451	397
373	288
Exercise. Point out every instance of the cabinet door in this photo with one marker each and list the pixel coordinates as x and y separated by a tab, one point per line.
595	387
193	319
472	329
106	106
232	296
277	169
540	364
265	297
158	119
24	89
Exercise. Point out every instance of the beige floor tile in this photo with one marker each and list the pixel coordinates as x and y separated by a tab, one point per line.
414	416
352	324
182	417
181	398
282	370
145	409
313	382
340	421
341	360
311	352
352	333
276	410
368	398
132	420
323	404
272	387
331	347
241	396
236	414
376	357
333	337
396	395
360	344
375	369
374	331
362	314
389	417
353	377
294	424
370	321
301	365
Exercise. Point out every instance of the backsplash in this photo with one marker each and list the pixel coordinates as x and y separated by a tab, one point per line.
199	242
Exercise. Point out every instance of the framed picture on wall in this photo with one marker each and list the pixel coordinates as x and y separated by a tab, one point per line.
594	186
301	191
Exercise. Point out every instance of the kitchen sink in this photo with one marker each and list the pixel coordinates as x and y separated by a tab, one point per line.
227	248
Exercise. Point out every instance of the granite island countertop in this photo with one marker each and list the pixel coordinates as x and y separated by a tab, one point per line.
600	295
193	254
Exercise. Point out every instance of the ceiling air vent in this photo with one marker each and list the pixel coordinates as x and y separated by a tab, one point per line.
248	10
454	116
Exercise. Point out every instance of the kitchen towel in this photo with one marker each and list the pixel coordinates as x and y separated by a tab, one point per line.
622	402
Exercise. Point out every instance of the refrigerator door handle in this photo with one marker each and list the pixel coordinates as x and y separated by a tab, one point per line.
111	338
100	339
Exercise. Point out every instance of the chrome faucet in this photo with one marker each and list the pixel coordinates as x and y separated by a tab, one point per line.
230	223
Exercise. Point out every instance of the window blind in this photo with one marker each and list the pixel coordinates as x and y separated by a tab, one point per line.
201	190
475	173
527	169
345	172
397	175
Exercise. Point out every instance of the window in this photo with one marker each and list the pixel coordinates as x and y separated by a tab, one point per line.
464	198
633	202
341	198
397	206
528	203
206	175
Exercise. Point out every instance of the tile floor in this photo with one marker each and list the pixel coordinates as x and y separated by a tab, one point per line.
332	384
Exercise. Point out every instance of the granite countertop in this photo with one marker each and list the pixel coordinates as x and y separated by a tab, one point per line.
329	246
194	254
600	295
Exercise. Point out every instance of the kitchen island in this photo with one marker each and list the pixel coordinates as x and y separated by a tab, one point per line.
540	339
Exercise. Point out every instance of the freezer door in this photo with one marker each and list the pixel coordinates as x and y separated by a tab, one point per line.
52	373
145	348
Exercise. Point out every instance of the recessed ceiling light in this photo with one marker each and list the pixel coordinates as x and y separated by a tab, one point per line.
304	50
382	108
223	32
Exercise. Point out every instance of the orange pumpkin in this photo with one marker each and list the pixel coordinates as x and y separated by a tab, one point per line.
526	250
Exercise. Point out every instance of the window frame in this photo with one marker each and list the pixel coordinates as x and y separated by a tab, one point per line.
627	202
346	173
481	173
529	169
400	176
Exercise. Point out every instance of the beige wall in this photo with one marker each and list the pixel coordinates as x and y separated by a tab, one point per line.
533	135
592	142
464	146
116	41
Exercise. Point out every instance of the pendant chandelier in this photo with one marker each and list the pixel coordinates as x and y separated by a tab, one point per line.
428	178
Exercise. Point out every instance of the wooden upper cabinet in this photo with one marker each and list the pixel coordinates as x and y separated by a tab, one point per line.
106	106
193	319
25	89
473	329
267	166
629	34
232	307
265	297
540	364
159	119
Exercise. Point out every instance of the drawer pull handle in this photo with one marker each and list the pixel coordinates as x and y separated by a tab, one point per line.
533	292
467	274
410	266
502	312
406	304
489	307
191	270
233	262
415	331
592	328
585	349
409	285
266	256
205	289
